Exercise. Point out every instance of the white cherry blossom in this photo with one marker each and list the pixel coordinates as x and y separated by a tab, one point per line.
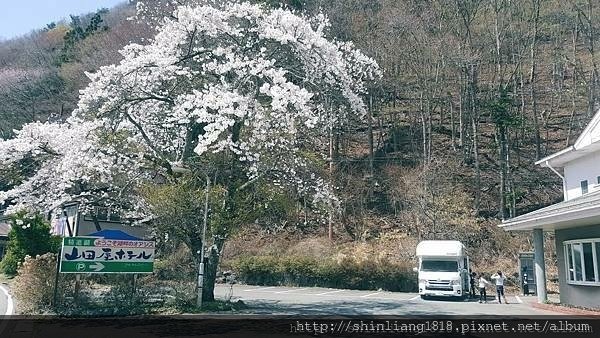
234	77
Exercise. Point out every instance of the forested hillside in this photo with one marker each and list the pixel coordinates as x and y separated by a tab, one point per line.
473	93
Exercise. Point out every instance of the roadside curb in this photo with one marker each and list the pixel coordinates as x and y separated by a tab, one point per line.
565	310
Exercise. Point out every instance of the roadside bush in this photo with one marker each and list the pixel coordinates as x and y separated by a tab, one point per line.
34	284
10	263
184	294
178	265
261	270
306	271
120	298
29	235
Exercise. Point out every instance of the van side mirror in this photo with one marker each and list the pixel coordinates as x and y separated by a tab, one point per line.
415	269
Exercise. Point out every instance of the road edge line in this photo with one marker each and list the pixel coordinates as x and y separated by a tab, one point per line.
260	288
290	291
9	301
370	294
328	292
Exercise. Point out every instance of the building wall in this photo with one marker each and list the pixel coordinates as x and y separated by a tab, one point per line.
585	168
578	295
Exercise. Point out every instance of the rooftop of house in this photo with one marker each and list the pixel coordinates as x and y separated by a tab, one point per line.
579	211
588	142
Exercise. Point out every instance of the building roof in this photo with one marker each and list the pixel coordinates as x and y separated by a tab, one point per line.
114	234
587	142
580	211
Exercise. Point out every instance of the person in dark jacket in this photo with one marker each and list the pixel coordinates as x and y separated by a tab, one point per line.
472	280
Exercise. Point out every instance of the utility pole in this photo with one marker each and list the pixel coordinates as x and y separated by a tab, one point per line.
330	218
201	265
55	294
331	166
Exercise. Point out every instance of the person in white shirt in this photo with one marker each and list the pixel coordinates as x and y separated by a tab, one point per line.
500	286
482	283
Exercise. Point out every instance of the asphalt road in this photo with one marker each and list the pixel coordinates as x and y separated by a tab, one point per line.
323	301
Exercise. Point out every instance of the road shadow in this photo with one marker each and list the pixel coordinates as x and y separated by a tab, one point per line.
474	299
338	307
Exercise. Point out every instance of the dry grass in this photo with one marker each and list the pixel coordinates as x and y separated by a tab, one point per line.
499	252
313	247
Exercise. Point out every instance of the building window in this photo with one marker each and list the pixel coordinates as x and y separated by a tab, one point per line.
577	261
584	187
588	262
569	265
582	261
597	248
104	214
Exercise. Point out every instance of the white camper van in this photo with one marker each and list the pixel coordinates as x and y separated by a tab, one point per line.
443	269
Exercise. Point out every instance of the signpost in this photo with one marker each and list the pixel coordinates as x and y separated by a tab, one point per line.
101	255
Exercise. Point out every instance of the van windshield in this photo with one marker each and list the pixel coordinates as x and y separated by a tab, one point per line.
443	266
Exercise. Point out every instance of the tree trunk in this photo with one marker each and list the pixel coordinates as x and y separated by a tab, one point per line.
475	124
509	180
370	117
461	127
429	136
211	266
423	128
532	79
502	156
590	30
331	159
452	127
476	163
575	37
522	106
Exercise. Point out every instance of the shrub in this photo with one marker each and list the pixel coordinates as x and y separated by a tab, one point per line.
306	271
34	283
29	236
261	270
178	265
10	263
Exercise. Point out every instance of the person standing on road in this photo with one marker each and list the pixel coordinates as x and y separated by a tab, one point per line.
472	278
482	283
500	286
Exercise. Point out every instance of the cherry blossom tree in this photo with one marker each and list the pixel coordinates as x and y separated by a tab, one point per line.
258	86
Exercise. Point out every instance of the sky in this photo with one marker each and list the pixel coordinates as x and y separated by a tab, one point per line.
19	17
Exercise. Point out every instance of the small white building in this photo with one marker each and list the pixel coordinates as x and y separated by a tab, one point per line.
574	221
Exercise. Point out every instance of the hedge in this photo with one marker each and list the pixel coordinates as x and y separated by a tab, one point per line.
305	271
